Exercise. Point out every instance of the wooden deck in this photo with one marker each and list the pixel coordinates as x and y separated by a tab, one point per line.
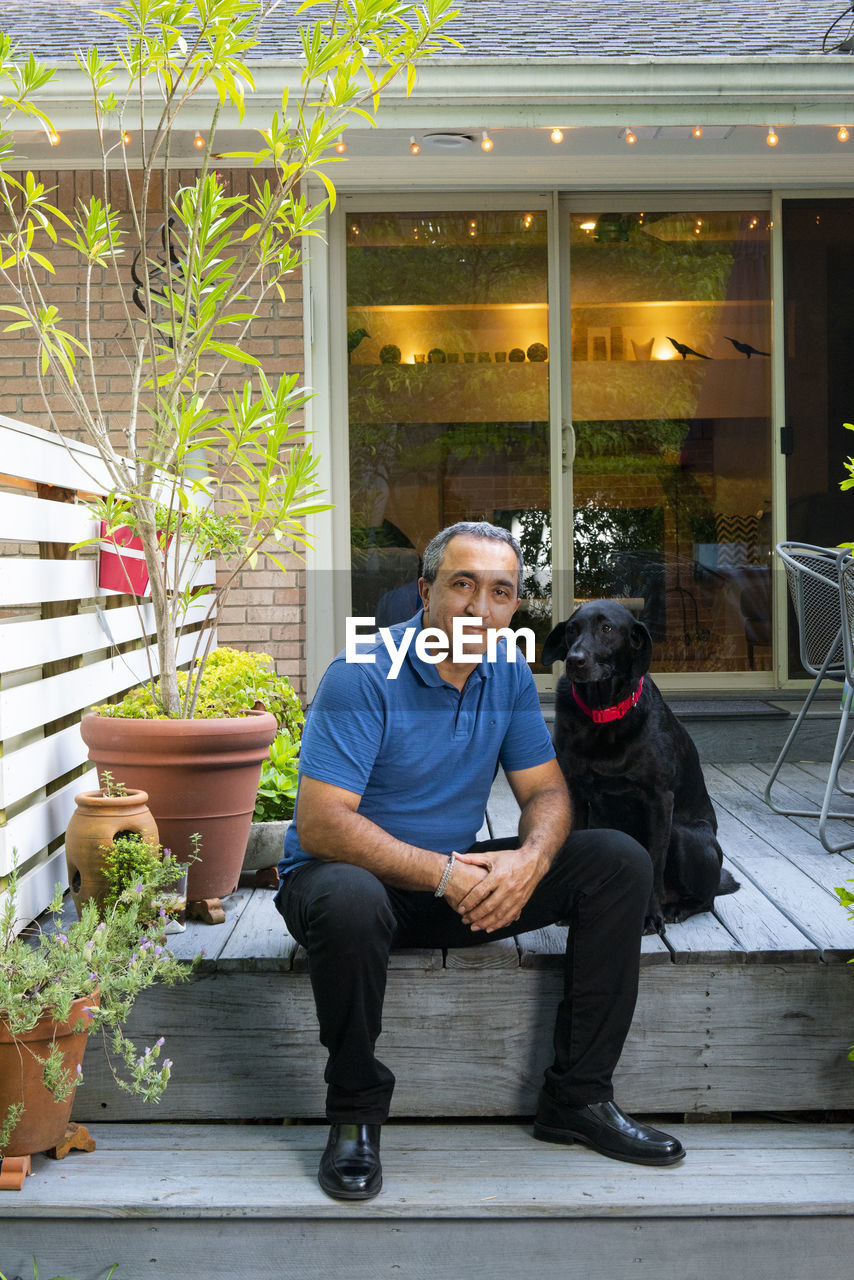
481	1201
742	1012
749	1009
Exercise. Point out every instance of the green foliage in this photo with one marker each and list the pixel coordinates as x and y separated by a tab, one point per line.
277	790
848	463
224	470
133	862
109	787
112	960
36	1275
233	682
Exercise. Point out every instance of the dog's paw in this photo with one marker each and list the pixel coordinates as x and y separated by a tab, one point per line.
655	924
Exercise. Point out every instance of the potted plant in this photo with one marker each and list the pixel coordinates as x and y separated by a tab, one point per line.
99	817
206	458
64	984
192	791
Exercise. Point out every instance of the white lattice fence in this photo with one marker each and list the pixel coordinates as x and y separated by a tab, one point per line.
59	648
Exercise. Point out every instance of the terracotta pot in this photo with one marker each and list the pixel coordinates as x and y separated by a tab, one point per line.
45	1120
94	824
201	776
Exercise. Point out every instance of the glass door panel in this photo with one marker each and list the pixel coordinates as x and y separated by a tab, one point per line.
447	337
818	270
671	403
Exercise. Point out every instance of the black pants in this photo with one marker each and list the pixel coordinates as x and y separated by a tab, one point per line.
348	921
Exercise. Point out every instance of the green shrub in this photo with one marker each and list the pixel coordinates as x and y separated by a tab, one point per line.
277	790
234	681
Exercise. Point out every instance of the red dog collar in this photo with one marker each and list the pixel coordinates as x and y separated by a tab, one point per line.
605	714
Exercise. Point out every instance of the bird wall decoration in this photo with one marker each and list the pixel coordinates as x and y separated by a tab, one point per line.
687	351
746	349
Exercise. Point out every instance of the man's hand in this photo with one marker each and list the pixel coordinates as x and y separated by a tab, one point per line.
497	898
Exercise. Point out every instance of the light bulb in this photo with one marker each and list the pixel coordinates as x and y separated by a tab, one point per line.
198	142
126	138
340	145
53	138
414	147
772	138
556	135
486	143
842	133
631	138
697	131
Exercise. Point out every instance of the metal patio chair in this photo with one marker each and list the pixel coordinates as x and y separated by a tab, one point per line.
821	586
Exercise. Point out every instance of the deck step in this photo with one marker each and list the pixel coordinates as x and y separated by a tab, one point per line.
459	1200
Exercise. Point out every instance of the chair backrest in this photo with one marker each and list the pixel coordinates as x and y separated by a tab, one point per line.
814	586
845	566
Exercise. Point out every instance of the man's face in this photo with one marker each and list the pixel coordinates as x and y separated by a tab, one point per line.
477	578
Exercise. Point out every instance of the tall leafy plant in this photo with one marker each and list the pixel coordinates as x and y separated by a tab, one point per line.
207	457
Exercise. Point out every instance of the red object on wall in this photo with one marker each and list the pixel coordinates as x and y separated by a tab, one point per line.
122	566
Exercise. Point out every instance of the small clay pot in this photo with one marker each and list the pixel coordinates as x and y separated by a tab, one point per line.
96	822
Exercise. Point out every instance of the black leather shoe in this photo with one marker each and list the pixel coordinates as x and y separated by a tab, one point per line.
608	1130
350	1166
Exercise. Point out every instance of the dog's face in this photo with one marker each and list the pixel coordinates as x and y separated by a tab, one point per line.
600	641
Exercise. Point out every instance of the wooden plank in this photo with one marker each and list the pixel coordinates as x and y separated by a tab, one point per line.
767	860
796	789
33	643
501	953
35	454
703	939
269	1249
210	940
762	931
704	1039
60	695
259	941
37	520
36	826
33	581
37	886
25	771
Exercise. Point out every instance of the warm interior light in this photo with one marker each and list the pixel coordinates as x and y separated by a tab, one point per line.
697	131
53	138
527	220
556	135
486	143
340	145
631	138
588	226
473	227
772	138
842	133
198	142
414	147
126	138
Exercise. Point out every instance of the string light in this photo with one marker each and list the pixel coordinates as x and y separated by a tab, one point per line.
340	145
771	137
697	131
473	227
556	135
486	143
198	142
53	138
414	147
631	138
842	133
126	138
527	221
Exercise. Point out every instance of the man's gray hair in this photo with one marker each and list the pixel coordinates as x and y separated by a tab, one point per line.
435	550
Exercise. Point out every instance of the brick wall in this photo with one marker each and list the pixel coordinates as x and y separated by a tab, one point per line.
266	609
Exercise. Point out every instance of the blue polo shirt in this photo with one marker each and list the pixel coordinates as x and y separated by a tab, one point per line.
421	754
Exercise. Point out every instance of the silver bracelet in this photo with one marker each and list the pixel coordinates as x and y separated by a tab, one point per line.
446	875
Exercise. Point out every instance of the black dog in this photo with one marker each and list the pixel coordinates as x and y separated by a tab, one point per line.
628	762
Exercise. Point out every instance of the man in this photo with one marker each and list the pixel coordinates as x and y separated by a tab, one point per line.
397	760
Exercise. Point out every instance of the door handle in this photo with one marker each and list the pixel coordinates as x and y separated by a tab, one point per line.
567	435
